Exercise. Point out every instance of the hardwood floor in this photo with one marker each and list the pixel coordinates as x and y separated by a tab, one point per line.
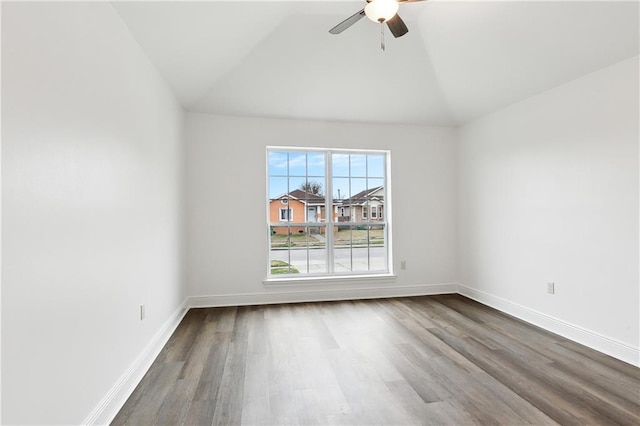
422	360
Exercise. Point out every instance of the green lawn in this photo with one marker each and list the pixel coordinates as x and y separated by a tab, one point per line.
294	240
376	236
279	267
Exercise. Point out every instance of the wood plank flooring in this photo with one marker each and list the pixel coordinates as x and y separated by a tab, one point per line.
423	360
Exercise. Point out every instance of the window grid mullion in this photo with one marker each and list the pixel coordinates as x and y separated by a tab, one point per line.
288	240
351	228
306	210
366	185
328	213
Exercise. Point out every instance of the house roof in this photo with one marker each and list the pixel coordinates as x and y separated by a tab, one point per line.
459	60
303	196
307	197
364	196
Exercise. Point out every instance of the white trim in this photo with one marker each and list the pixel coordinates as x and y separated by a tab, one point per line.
328	203
308	279
593	340
389	219
290	214
320	295
114	400
285	148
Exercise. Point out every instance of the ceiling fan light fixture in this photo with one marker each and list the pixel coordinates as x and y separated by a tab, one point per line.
381	10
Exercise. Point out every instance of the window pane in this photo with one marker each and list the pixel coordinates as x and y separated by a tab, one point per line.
340	188
378	249
375	198
358	166
277	163
316	165
375	183
342	252
277	187
313	190
376	165
296	183
297	164
281	239
313	258
340	165
358	190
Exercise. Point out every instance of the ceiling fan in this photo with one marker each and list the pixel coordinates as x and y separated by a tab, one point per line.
382	11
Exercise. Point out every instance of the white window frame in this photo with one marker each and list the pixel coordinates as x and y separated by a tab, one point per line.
330	223
282	210
374	212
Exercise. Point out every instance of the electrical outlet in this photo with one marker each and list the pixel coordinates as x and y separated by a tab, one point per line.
403	264
142	312
551	288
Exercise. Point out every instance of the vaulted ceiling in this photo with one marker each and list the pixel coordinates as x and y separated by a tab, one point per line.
459	61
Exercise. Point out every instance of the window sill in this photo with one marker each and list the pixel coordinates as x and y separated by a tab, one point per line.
328	280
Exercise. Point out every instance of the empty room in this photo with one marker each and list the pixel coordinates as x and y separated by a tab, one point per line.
320	212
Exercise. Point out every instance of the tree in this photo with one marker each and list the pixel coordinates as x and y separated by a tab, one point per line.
312	187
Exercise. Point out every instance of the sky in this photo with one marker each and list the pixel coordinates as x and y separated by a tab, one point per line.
351	172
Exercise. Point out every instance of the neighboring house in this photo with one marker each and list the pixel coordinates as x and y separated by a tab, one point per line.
297	206
365	206
300	206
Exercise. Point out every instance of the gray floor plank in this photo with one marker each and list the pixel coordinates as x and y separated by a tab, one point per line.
438	360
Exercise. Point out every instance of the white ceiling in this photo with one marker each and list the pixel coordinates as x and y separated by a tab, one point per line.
459	61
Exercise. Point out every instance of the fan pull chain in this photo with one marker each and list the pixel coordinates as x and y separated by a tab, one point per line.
382	36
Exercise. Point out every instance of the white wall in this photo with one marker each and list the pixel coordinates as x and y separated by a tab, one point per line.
548	192
226	181
92	198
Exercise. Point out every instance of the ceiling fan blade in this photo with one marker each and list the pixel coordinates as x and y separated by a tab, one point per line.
397	26
347	22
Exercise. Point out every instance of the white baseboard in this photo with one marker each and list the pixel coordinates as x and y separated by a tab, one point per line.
319	295
604	344
113	401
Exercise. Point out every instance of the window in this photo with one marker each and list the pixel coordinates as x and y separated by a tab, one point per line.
302	244
286	215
